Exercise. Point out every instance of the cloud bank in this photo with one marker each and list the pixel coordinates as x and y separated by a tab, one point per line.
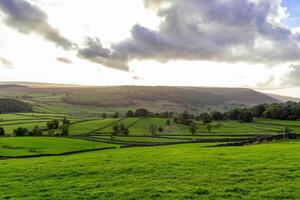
215	30
27	18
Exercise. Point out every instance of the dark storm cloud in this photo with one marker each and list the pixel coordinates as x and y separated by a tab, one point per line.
26	18
215	30
64	60
4	62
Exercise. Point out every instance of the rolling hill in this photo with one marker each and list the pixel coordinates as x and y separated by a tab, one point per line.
158	98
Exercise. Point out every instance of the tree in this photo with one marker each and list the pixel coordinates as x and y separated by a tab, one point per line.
193	128
217	116
234	114
168	122
65	121
208	127
161	129
20	131
51	125
121	129
116	115
142	112
56	123
153	129
206	118
246	116
185	115
115	130
36	131
259	110
126	132
130	113
2	131
104	115
65	130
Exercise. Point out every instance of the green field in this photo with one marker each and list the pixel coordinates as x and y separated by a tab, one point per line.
88	126
182	171
269	171
44	145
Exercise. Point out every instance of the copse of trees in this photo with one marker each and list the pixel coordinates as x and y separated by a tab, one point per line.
12	105
242	115
282	111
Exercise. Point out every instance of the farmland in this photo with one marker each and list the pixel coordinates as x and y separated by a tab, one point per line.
173	163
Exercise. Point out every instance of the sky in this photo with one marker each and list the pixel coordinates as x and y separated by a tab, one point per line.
216	43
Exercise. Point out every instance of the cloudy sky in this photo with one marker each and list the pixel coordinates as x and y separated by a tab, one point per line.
227	43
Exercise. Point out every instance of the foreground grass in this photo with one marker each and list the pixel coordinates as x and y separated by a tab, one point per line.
269	171
20	146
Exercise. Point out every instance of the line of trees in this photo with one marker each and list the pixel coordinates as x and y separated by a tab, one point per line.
12	106
53	125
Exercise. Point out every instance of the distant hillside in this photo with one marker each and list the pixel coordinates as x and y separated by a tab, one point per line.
284	98
154	98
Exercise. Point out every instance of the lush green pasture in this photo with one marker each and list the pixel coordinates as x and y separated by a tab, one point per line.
140	139
126	122
62	108
19	146
294	123
88	126
229	127
6	117
142	127
268	171
9	129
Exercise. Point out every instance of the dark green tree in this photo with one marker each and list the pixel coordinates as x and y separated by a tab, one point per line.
65	130
193	128
20	131
130	113
116	115
2	131
36	131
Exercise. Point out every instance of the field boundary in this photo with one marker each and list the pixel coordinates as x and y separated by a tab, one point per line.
261	139
59	154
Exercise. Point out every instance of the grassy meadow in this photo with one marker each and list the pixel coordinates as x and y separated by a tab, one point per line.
190	171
